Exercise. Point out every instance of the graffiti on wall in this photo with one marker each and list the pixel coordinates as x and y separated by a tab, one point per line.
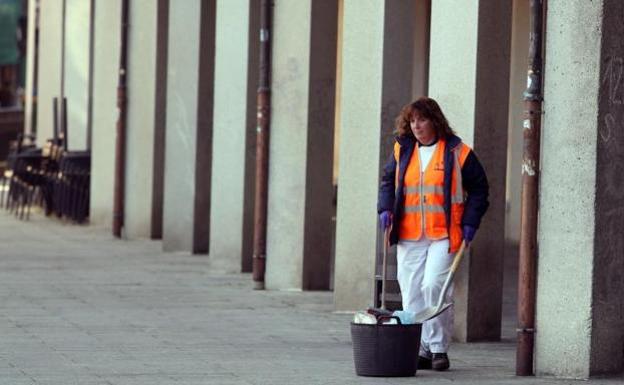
609	243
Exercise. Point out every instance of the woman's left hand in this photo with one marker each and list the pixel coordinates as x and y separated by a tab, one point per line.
469	233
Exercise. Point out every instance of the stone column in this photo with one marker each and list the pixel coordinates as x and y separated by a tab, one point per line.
580	291
30	68
377	78
140	124
253	76
420	76
77	72
301	148
50	63
186	210
236	84
517	86
105	73
474	93
160	119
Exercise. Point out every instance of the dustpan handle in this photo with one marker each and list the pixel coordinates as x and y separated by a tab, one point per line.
384	268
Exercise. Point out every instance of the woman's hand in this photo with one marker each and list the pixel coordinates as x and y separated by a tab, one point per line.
469	233
385	219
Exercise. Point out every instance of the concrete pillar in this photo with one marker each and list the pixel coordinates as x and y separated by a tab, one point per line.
515	141
77	71
140	137
105	73
474	92
376	82
580	290
236	84
253	75
517	86
160	119
186	210
422	27
50	61
31	54
301	148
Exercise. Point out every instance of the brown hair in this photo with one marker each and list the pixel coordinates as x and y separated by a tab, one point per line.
429	109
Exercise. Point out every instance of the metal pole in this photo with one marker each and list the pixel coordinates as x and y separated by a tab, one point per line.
90	92
63	44
262	146
530	189
62	99
120	144
55	114
64	124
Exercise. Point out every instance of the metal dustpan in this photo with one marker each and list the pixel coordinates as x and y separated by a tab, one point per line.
434	311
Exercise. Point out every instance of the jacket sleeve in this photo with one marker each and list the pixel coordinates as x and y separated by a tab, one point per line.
476	185
385	200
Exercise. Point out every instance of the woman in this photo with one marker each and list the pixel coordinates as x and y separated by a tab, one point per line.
432	196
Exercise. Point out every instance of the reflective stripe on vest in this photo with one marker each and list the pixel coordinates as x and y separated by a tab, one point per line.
425	208
423	194
455	198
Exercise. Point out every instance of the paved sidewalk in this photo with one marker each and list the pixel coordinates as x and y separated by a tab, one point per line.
77	307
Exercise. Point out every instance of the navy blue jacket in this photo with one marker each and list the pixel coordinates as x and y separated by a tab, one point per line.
474	182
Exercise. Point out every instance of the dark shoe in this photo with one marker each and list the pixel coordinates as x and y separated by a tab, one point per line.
440	362
424	362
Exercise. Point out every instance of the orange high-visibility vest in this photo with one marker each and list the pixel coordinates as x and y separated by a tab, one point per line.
424	196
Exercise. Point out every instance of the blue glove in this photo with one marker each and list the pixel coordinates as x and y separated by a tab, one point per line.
385	219
469	233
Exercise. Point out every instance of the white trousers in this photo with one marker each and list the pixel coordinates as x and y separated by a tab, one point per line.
422	267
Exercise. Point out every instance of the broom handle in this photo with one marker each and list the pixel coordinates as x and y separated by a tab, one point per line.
384	267
458	257
456	261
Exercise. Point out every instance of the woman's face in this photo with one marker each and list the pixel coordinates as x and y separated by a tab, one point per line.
422	128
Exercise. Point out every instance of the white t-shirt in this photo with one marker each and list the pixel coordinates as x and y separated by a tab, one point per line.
425	153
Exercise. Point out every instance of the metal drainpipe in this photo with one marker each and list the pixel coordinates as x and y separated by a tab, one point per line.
262	146
63	99
530	190
120	145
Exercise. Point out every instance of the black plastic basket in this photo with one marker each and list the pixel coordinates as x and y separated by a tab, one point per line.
385	350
